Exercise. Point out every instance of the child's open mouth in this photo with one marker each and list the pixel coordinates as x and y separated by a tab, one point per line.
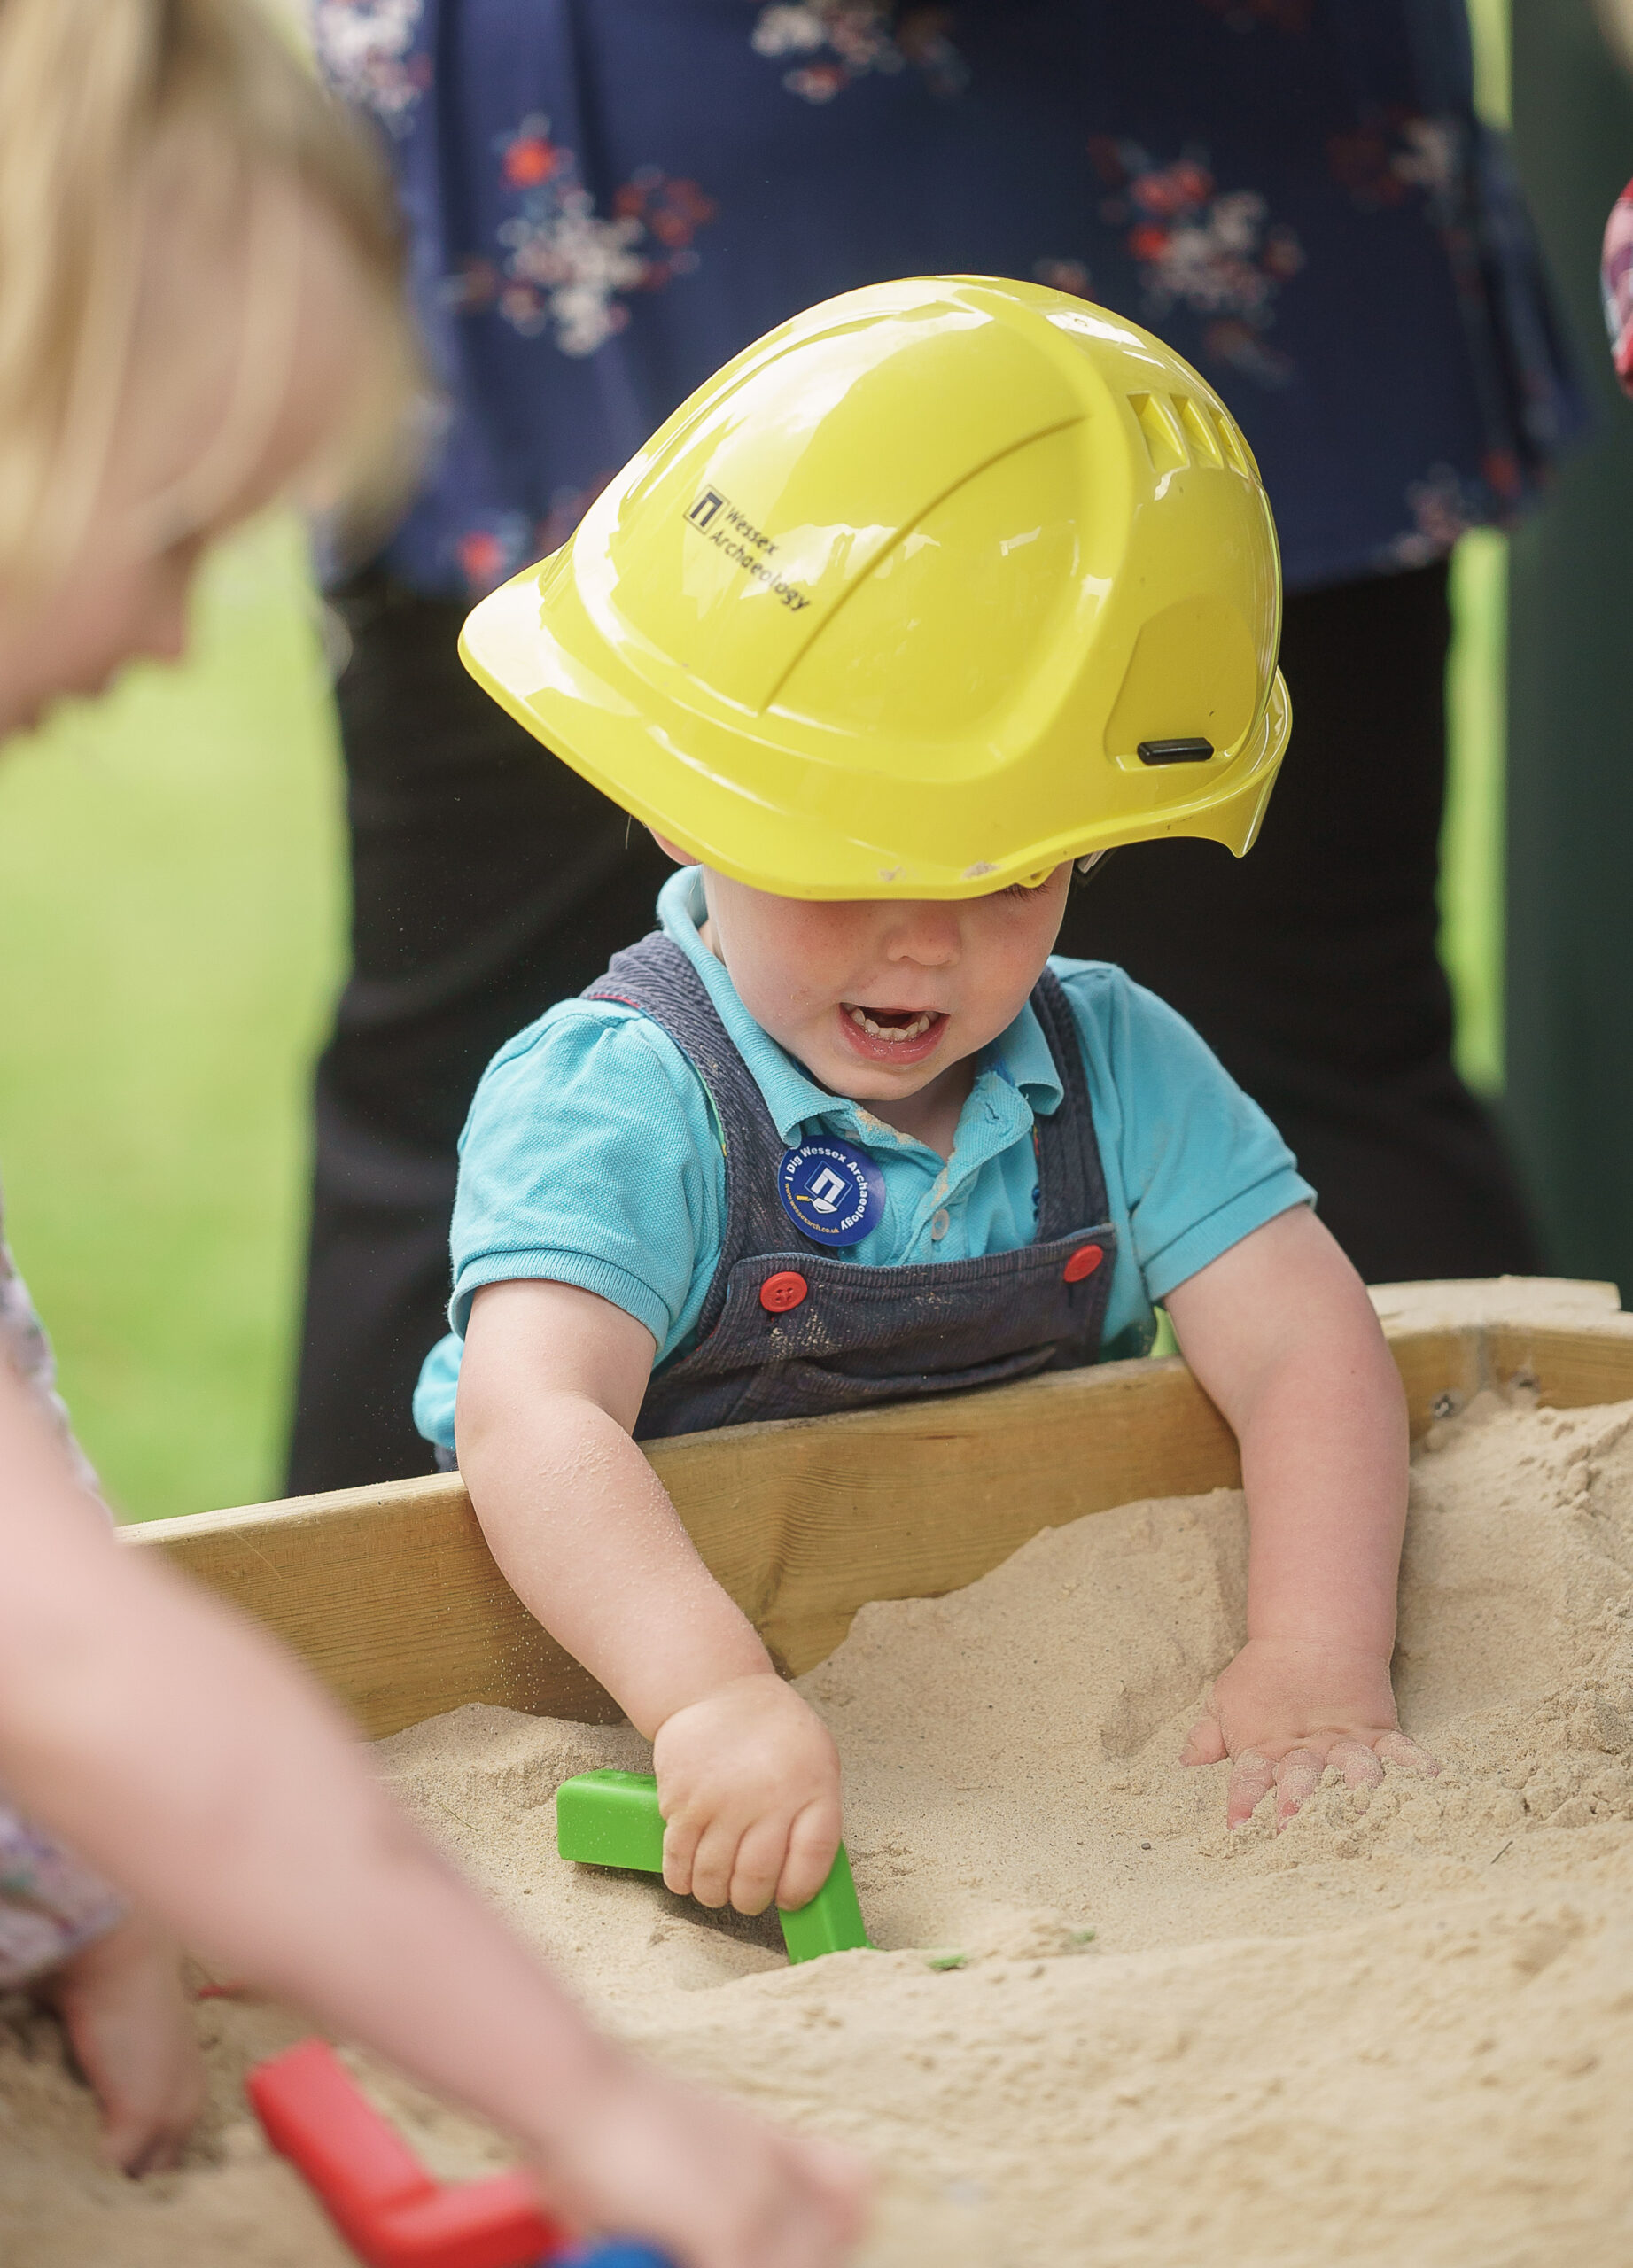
886	1035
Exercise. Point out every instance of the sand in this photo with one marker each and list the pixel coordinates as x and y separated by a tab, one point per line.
1102	2030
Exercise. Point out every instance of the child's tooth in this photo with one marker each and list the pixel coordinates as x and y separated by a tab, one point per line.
915	1028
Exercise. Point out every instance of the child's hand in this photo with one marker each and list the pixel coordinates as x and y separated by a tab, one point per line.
121	2004
1285	1709
747	1782
644	2157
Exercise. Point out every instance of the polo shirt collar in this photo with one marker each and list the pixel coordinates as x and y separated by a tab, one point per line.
1019	1057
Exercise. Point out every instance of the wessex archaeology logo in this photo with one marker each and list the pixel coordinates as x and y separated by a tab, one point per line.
833	1192
718	519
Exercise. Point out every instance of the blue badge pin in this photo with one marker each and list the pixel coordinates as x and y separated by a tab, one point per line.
833	1194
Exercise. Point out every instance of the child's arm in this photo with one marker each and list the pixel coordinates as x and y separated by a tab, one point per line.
1282	1337
549	1389
179	1749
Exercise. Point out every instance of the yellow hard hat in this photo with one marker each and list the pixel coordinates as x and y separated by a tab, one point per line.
939	583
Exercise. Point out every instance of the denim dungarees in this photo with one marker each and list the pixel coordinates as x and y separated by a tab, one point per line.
856	1334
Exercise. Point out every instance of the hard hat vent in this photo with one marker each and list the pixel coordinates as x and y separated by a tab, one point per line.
1178	431
1164	442
1199	428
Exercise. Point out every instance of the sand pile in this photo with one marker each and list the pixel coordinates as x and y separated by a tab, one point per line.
1102	2030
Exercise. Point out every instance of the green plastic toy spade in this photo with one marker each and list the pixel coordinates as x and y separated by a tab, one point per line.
611	1818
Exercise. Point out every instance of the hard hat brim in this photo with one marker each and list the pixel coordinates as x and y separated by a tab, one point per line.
572	693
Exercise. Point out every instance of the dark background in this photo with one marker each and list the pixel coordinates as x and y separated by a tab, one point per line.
1569	1102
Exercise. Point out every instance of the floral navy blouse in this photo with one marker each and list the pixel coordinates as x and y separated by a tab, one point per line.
608	197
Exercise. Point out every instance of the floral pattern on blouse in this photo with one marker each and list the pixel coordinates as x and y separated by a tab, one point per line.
837	41
610	198
501	544
1385	160
567	268
1216	252
1445	505
50	1904
367	50
25	1346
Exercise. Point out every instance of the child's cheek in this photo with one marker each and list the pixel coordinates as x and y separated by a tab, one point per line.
775	989
808	954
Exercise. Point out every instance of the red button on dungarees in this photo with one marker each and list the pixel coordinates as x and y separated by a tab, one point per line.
1083	1263
782	1291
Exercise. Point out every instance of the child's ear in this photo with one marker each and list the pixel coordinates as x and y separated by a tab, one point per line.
671	849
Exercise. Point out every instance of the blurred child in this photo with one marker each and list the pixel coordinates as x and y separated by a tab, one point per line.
936	591
199	314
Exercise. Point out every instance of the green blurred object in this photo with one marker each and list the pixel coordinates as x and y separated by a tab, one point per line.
611	1818
1472	838
1471	873
171	913
1489	29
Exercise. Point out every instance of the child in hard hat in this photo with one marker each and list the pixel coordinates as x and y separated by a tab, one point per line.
939	591
199	277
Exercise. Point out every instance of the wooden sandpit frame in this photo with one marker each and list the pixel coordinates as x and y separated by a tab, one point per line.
391	1597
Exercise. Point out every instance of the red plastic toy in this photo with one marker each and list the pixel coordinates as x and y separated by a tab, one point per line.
375	2191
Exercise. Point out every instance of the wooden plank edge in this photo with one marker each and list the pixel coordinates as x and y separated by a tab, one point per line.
390	1596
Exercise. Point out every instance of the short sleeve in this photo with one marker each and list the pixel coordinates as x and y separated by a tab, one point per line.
1200	1164
589	1157
25	1346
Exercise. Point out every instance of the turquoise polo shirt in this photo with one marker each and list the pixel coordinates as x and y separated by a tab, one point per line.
591	1156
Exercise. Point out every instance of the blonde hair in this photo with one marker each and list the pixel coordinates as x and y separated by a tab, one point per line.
125	121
